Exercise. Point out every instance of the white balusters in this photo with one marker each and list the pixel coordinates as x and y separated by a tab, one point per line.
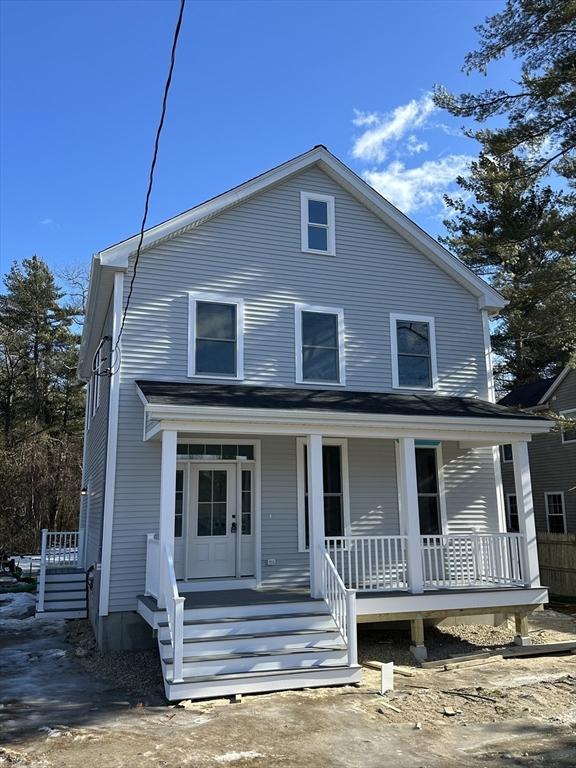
370	563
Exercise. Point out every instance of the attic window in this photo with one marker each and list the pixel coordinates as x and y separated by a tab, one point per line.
317	223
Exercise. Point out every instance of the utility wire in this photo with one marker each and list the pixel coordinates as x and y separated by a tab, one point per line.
114	350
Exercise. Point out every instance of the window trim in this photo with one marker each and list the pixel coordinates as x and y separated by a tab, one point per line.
298	310
444	528
554	493
508	512
563	413
394	318
503	454
304	222
301	486
215	298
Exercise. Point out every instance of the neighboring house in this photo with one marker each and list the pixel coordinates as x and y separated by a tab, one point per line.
552	455
296	432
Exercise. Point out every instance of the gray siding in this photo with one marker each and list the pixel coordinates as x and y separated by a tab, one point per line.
552	463
253	252
94	471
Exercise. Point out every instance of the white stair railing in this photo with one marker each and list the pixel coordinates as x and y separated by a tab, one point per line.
42	572
342	604
169	598
464	560
61	548
152	583
370	563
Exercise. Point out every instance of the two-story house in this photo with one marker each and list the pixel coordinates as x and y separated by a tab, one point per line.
290	429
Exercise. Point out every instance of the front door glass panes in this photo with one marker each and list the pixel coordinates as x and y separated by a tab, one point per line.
333	491
216	338
246	501
413	342
212	502
320	351
428	494
215	452
179	503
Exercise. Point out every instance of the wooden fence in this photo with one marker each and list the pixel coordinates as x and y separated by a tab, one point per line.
557	556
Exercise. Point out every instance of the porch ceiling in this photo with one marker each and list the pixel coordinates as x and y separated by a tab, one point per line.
186	404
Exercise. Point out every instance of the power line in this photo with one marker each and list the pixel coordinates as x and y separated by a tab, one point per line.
167	85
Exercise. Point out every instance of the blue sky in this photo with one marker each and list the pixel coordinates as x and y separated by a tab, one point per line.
255	84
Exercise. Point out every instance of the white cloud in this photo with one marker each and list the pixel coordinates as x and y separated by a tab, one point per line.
389	128
47	222
414	146
412	189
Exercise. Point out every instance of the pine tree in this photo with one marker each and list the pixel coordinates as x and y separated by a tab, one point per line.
42	406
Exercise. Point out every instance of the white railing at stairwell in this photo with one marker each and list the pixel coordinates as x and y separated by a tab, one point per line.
169	598
152	582
59	549
370	563
342	604
465	560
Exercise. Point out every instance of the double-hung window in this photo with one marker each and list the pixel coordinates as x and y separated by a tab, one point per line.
429	498
555	513
215	336
336	499
413	343
319	345
512	510
317	223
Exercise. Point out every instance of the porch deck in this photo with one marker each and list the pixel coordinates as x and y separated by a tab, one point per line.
229	598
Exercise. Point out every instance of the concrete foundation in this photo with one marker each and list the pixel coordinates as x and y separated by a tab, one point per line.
124	631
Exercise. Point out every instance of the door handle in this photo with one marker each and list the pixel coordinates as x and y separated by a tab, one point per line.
233	527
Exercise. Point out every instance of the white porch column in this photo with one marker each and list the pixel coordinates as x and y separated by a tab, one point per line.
409	511
167	501
315	512
526	521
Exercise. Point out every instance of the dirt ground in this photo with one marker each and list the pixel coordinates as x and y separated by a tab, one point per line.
63	705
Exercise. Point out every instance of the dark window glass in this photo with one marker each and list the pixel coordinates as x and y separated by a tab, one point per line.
216	338
246	503
507	452
179	503
569	431
246	452
555	506
414	365
513	523
320	351
317	212
333	491
428	494
556	524
317	238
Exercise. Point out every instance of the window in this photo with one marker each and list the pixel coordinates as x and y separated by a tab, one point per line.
413	352
555	512
428	485
512	513
215	336
179	505
569	431
246	501
506	451
319	345
216	452
336	500
317	223
212	502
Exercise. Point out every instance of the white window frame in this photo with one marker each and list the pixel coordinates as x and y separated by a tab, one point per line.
298	310
304	222
301	442
444	527
504	459
394	317
215	298
565	413
508	512
547	494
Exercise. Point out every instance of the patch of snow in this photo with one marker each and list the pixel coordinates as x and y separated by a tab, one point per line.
233	757
16	605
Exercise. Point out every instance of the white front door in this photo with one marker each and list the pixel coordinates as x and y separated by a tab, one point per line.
213	518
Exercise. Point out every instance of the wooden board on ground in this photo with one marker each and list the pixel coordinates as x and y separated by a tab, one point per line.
538	650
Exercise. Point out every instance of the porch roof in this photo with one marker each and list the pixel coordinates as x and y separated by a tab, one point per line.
324	401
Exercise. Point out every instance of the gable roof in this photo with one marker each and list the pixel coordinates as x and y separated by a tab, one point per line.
527	395
118	255
536	393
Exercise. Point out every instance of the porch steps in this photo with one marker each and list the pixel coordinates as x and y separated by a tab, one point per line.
64	595
251	648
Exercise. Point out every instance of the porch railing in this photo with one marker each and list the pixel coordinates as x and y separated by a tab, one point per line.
370	563
152	565
341	602
59	549
473	560
174	604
